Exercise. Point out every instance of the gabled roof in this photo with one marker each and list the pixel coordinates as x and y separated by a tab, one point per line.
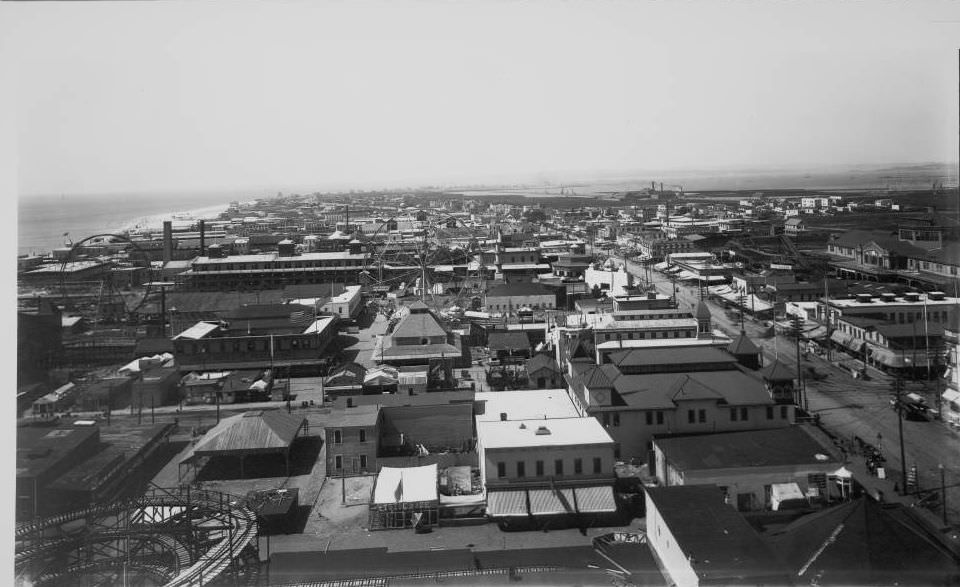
595	377
862	543
508	341
742	345
419	323
886	241
542	361
251	432
778	371
687	388
702	312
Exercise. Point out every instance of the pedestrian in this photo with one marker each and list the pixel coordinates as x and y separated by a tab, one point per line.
896	488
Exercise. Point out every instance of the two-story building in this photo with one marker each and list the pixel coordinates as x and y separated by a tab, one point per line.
646	393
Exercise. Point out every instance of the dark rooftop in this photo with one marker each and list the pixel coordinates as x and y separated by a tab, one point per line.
778	447
720	545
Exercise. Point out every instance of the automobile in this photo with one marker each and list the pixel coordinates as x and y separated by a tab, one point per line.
912	406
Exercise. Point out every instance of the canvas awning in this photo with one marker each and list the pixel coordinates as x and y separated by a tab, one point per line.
545	502
595	500
502	504
406	485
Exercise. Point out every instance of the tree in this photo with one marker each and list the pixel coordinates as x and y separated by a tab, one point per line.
535	215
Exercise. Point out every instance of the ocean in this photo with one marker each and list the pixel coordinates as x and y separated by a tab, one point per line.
43	220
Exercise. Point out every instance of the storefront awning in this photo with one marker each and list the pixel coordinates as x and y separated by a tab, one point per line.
501	504
595	500
545	502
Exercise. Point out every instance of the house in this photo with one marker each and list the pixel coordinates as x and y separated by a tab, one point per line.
543	372
697	539
509	345
794	226
870	255
419	339
749	466
351	439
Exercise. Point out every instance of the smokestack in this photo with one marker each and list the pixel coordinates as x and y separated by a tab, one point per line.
202	247
167	241
661	187
653	186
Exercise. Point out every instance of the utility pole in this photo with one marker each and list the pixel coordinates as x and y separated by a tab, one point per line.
897	388
796	324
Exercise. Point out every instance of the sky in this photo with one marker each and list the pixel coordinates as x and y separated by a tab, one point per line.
169	96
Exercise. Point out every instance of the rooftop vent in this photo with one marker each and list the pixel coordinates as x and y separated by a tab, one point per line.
888	297
864	298
935	295
542	430
911	297
503	416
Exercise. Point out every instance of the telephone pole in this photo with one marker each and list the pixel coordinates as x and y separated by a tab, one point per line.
898	388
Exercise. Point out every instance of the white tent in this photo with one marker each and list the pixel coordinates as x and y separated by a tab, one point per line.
406	485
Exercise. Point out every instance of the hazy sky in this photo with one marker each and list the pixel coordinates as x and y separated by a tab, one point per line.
114	96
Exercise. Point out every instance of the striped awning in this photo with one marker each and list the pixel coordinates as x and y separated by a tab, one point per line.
506	503
545	502
595	500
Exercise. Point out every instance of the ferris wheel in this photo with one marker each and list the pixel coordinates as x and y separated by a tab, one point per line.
425	252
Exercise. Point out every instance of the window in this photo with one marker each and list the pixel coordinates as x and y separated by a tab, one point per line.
338	462
363	461
578	466
769	412
649	418
363	436
558	467
783	412
702	416
521	469
539	468
606	419
733	414
337	437
501	469
660	418
691	416
597	465
744	414
616	418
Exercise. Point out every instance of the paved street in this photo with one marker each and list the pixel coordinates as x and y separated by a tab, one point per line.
849	407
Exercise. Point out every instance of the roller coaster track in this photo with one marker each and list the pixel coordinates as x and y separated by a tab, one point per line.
161	516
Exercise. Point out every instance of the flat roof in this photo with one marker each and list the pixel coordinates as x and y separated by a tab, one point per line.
275	256
523	433
779	447
525	404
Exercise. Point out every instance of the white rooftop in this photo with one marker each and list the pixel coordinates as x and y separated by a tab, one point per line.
198	331
525	404
559	432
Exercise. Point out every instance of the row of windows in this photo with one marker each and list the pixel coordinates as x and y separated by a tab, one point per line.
338	462
654	334
557	467
545	306
271	266
338	436
240	345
